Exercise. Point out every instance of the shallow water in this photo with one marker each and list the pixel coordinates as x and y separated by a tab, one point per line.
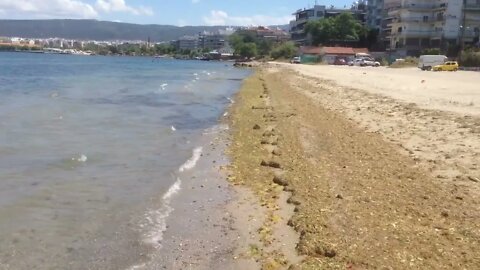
88	145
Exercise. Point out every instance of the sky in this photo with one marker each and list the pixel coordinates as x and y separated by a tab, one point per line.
172	12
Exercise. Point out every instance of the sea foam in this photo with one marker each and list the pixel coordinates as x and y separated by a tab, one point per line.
157	219
190	163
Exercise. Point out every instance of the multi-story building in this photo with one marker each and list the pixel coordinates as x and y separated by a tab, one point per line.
186	43
414	25
303	16
375	14
212	41
268	33
471	20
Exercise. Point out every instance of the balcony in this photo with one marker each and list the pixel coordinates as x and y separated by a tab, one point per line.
417	20
418	7
471	7
418	33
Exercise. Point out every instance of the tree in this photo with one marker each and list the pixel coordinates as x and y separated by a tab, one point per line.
343	27
286	50
264	47
321	31
346	27
247	50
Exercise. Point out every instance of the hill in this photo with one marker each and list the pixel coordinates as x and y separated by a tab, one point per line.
96	30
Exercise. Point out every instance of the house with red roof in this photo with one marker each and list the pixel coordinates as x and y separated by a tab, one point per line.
330	54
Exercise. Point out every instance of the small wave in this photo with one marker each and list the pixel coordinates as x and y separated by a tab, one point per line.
173	128
163	86
231	100
190	163
81	158
156	219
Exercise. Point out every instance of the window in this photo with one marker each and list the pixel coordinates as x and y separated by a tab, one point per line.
425	18
320	14
399	29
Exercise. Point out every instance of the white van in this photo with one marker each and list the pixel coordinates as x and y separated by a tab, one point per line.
427	62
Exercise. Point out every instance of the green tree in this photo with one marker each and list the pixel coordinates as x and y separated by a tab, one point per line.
346	27
113	50
286	50
247	50
321	31
343	27
264	47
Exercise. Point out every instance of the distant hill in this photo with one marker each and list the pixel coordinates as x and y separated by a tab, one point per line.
96	30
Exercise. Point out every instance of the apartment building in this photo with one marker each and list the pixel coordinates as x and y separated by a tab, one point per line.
317	12
375	14
268	33
413	25
212	41
471	20
186	43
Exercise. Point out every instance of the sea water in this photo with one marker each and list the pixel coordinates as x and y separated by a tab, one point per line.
88	145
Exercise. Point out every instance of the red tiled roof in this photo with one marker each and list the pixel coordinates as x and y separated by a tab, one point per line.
338	50
360	50
332	50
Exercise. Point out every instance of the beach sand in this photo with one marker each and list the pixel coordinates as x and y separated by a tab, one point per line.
380	167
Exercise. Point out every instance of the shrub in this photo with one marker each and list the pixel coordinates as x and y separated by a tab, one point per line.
469	58
248	50
286	51
407	62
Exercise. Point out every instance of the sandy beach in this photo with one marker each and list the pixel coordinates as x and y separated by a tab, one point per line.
380	167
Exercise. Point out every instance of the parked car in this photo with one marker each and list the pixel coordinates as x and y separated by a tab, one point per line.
357	62
371	62
295	60
447	66
427	62
340	62
364	62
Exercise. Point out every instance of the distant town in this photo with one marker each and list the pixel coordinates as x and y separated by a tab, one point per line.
391	28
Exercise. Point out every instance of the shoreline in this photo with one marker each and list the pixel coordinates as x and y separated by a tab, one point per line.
301	180
360	200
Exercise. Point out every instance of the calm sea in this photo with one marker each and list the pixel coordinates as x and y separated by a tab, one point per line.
89	144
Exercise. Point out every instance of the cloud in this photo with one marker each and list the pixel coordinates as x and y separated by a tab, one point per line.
121	6
195	1
219	17
47	9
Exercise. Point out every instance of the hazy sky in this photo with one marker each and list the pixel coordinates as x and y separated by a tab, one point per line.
176	12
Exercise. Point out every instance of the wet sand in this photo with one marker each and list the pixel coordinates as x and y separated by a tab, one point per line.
376	181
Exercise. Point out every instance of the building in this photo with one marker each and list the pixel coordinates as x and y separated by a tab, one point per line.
303	16
267	33
329	54
186	43
413	25
375	14
470	34
212	41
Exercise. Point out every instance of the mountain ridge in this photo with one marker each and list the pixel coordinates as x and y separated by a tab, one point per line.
97	30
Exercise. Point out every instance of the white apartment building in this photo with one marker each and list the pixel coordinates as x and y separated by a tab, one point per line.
417	24
317	12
